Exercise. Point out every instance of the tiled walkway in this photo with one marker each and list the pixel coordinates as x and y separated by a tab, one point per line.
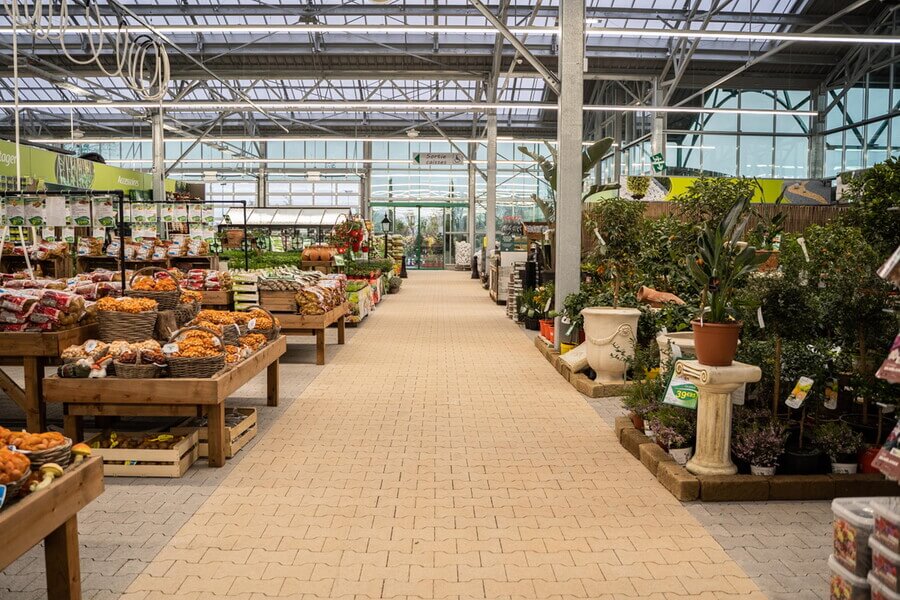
440	456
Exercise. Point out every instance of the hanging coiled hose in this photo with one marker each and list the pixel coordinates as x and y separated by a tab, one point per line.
141	61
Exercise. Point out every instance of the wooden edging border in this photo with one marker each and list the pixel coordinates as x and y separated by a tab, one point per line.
731	488
579	381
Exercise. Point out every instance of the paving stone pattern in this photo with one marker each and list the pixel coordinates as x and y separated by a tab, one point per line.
438	455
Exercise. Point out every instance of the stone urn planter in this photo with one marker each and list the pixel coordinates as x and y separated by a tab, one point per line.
684	340
608	331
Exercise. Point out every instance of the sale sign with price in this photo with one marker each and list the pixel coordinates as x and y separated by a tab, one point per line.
681	392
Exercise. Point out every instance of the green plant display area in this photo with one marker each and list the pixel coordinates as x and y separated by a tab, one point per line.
811	311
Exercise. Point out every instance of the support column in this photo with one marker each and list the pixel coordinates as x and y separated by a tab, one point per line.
159	156
569	138
816	167
658	127
491	181
617	140
365	199
262	187
470	232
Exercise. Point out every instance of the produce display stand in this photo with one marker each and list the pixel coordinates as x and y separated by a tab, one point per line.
51	516
169	397
33	351
293	324
86	264
57	267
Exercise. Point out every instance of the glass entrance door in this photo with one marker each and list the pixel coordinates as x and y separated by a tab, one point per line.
429	232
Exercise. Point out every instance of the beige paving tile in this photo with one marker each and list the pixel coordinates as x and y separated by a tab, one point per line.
440	456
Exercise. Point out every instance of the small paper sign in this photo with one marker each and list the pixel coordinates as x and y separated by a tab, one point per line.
55	211
48	234
831	395
81	212
251	325
681	392
739	395
90	346
802	242
68	235
170	348
759	318
547	305
799	393
599	237
34	212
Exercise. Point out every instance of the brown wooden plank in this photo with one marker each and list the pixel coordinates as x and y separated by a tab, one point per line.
61	557
342	329
216	433
220	298
232	380
73	427
272	384
131	410
51	343
320	346
31	520
131	391
35	410
12	389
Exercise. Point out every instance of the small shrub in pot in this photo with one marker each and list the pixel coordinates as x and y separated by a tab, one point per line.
841	443
761	445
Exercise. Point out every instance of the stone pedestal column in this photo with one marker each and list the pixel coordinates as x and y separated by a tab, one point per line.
713	451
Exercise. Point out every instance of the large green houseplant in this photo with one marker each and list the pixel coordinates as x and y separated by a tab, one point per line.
718	266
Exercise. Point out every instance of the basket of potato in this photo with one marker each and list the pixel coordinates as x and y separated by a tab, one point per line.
15	469
42	448
195	352
128	319
263	322
158	285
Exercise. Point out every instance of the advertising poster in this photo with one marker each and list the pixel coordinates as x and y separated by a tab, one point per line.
104	212
15	211
80	212
34	212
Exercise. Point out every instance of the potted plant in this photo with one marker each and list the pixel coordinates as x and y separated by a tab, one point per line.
675	428
841	444
530	309
718	266
645	395
760	445
637	186
544	299
616	223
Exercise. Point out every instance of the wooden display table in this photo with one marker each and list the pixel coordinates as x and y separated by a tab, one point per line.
58	267
316	325
51	516
33	351
169	397
85	264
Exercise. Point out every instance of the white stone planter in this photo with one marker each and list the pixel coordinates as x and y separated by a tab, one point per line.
844	468
683	339
681	455
609	330
757	470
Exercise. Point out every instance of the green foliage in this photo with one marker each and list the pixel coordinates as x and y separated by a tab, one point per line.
648	387
637	185
871	194
664	242
362	268
618	221
720	264
261	260
760	444
789	309
674	426
529	304
710	198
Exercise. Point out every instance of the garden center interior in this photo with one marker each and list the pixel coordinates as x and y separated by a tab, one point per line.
449	299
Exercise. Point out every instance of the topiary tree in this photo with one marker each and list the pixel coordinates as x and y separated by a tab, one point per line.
617	223
871	194
710	198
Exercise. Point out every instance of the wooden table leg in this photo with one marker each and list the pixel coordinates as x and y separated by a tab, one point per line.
35	411
216	428
63	566
73	426
272	383
320	346
342	329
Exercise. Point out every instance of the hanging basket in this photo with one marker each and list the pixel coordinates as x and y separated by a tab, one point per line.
61	455
128	327
202	367
271	333
166	300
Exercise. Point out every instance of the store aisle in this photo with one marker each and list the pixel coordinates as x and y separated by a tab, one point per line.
440	456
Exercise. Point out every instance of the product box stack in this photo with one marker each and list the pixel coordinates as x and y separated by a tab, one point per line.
246	292
512	294
395	247
866	556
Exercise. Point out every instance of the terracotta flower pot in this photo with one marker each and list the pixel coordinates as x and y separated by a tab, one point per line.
637	421
716	343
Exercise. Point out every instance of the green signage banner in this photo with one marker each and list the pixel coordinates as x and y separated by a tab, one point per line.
55	171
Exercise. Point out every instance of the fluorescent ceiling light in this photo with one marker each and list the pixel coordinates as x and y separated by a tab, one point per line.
366	161
345	106
246	140
751	36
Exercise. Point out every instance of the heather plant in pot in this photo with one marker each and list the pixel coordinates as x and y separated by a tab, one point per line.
644	396
675	428
718	266
760	445
841	443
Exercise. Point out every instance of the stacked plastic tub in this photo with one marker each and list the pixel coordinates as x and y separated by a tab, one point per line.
866	555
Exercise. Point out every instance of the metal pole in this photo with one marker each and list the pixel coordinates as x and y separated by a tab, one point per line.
246	241
471	187
159	157
491	181
121	228
817	136
569	132
658	127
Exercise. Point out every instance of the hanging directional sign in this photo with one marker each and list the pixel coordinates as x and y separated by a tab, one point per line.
659	162
439	158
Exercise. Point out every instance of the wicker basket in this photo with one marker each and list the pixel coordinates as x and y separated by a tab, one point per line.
61	455
129	327
166	300
185	312
130	371
12	489
196	367
231	334
273	332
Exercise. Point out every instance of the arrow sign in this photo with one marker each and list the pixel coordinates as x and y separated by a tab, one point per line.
439	158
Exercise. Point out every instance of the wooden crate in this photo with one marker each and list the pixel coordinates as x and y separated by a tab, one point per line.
174	462
235	437
220	298
278	301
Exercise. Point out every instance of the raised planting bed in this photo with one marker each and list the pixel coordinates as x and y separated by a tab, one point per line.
581	382
687	487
